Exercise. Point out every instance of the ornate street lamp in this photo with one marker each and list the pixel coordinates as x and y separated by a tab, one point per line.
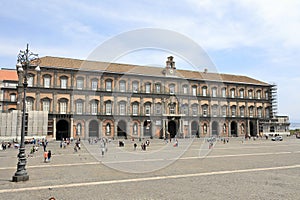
26	59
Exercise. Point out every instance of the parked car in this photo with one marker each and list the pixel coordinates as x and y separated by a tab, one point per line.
277	138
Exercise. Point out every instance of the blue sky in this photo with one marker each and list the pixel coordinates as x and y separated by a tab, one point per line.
257	38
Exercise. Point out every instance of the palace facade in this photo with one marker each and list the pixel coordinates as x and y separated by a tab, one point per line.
97	99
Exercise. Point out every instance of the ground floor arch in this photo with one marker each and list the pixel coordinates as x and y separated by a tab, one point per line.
215	128
121	129
195	128
233	129
147	128
252	130
62	129
172	128
94	129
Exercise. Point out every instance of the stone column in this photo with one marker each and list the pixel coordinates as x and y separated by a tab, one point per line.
72	128
54	128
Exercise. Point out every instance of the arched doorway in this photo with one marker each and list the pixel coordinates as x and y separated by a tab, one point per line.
147	128
62	130
195	128
233	129
172	128
122	129
94	129
252	129
215	128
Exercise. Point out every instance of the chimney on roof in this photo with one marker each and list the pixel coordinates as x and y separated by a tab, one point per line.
205	70
170	63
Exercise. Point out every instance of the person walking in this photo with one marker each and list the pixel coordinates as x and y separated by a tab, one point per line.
49	155
45	156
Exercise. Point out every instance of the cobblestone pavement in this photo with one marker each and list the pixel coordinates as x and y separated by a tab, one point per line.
260	169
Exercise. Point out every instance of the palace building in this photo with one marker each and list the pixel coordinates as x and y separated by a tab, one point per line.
77	98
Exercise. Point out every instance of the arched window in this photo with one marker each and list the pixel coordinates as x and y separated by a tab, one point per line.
46	104
29	104
63	82
108	108
47	81
214	92
135	108
232	93
205	110
94	84
148	87
172	88
194	90
79	83
204	91
122	108
241	93
79	106
122	86
223	92
94	107
135	86
108	85
185	89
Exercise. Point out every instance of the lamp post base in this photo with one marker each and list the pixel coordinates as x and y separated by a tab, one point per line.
20	178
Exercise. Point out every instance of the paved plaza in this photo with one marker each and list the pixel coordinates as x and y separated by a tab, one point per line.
252	169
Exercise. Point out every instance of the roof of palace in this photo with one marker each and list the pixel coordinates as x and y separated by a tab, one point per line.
8	75
86	65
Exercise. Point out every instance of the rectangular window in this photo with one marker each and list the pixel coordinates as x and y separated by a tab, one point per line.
46	106
46	82
157	88
29	105
204	111
258	95
223	111
194	110
79	107
30	81
259	113
94	108
122	86
233	111
241	94
135	87
250	94
158	109
214	92
108	109
185	90
251	112
242	111
63	83
214	111
194	91
63	107
224	92
12	97
232	93
122	109
185	110
204	92
172	89
108	86
172	109
148	88
135	109
80	84
147	109
94	84
267	95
